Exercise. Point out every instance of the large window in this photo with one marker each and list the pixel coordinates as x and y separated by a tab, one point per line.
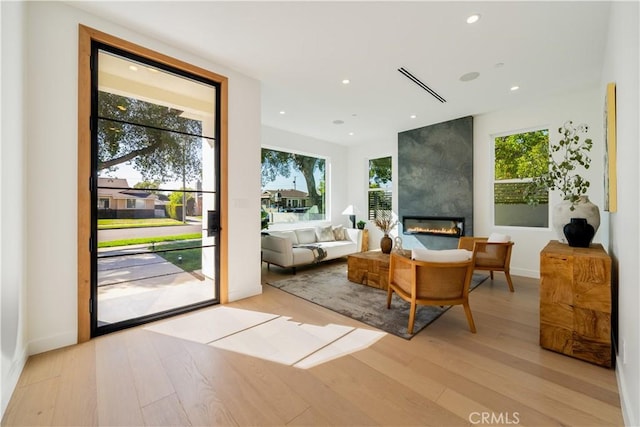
518	158
293	187
380	186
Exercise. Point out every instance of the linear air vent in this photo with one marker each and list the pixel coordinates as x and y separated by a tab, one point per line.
417	81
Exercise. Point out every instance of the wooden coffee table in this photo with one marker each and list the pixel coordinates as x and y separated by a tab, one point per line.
369	268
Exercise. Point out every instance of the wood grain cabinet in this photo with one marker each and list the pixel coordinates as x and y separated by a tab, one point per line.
575	302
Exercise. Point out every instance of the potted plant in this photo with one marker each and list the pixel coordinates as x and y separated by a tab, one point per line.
565	159
361	225
264	220
385	222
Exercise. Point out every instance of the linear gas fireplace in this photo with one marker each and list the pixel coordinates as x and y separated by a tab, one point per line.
433	225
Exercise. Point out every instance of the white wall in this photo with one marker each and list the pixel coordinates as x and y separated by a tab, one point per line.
336	173
52	81
621	67
12	203
581	107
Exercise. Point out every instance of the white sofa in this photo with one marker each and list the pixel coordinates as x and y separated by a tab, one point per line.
292	248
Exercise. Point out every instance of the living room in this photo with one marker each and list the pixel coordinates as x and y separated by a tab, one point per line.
39	252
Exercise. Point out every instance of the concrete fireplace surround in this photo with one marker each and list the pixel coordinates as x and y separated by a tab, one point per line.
435	177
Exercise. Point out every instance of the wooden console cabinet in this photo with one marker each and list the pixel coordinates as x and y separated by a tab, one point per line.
575	302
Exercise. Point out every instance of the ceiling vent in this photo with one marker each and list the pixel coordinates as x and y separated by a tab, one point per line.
417	81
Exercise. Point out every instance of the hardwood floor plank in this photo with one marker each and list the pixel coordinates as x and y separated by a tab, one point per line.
116	393
77	402
33	404
151	382
384	399
167	411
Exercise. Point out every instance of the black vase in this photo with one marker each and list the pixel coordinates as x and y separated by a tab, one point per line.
579	233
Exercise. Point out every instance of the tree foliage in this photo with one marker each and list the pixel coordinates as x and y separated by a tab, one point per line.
523	155
280	163
379	171
159	143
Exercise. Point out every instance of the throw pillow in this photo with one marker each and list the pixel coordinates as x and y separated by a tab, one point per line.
339	232
444	255
325	234
306	235
498	238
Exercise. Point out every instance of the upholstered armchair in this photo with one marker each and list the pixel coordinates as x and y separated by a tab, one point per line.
442	281
491	253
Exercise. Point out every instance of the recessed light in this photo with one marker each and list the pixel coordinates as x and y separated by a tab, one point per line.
499	65
133	68
338	122
351	133
413	116
473	18
283	112
469	76
346	81
514	88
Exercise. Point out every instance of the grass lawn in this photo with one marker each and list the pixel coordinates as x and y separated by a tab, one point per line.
145	240
191	259
105	224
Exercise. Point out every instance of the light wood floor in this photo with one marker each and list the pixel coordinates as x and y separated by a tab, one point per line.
444	376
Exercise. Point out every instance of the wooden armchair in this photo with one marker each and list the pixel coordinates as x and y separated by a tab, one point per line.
489	255
430	283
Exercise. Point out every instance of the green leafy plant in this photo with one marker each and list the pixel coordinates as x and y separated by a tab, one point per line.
360	224
566	157
264	219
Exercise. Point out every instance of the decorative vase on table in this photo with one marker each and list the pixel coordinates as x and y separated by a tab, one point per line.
579	233
386	244
583	208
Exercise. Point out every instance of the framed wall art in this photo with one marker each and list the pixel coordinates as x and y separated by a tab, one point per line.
610	179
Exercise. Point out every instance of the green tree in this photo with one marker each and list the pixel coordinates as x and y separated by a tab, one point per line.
523	155
150	186
379	171
279	163
157	141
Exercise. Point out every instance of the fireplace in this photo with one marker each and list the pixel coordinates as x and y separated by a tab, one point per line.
433	225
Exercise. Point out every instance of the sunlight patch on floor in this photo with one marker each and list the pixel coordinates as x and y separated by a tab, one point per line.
268	336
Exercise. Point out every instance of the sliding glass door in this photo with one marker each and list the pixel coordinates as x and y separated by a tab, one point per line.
154	190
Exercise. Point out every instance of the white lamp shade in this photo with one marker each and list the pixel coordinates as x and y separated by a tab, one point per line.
350	210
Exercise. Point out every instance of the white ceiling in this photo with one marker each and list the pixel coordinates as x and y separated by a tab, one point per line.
301	52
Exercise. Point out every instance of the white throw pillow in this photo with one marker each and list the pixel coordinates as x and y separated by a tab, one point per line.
498	238
444	255
339	233
306	235
325	234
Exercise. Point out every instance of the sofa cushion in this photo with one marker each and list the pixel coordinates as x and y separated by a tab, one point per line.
325	234
339	233
443	255
291	235
306	235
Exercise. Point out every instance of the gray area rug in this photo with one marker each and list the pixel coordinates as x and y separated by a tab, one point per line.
329	288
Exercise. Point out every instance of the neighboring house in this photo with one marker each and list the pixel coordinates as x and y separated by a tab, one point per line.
117	200
285	200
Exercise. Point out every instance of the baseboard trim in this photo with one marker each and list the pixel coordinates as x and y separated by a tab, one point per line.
53	342
11	381
534	274
629	418
246	293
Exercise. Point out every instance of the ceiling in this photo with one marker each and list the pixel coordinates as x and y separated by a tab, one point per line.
302	51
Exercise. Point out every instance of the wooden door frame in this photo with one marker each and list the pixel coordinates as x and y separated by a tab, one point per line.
86	36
